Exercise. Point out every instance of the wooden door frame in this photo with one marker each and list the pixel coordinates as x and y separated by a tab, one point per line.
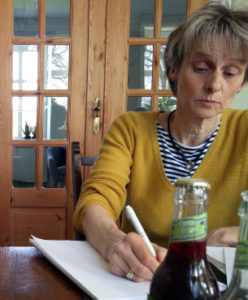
78	98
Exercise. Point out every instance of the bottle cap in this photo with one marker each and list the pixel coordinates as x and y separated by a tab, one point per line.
192	182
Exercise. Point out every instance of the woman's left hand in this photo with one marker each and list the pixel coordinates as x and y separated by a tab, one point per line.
223	237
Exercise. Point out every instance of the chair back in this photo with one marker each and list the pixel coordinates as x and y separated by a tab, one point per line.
56	165
77	162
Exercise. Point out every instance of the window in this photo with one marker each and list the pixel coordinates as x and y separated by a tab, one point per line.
151	22
40	83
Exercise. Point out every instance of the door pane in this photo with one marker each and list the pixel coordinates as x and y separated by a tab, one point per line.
25	66
24	117
55	118
142	18
140	67
173	13
54	167
57	18
25	18
139	103
23	167
56	67
167	103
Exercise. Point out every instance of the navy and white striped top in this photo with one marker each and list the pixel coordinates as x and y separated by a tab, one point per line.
174	164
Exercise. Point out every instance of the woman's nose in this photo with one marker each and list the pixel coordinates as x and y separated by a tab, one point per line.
213	82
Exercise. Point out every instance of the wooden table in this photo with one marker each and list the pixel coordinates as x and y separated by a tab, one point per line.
26	274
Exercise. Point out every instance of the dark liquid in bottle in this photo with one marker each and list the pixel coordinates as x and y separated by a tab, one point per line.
184	274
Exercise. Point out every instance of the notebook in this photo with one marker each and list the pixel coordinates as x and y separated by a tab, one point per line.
87	269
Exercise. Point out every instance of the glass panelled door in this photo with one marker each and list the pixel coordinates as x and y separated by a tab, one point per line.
40	106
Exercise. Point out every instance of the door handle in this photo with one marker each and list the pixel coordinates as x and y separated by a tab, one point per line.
96	116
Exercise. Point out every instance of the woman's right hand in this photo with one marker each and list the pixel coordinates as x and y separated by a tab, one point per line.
124	252
131	253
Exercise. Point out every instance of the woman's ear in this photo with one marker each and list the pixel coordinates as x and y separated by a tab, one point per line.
173	75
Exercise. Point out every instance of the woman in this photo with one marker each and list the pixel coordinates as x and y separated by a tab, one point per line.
144	152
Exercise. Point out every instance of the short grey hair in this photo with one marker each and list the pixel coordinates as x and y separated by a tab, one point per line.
213	23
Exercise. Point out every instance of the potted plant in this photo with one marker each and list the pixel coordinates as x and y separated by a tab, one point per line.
34	132
27	131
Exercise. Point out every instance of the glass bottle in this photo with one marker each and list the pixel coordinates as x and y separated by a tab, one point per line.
185	272
238	288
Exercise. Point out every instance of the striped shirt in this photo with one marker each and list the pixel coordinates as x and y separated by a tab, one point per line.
174	164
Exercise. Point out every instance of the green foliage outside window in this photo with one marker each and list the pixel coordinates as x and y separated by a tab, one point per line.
167	103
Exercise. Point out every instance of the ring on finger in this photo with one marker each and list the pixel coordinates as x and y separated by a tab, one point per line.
130	274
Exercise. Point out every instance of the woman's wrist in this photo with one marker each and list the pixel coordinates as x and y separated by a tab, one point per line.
100	229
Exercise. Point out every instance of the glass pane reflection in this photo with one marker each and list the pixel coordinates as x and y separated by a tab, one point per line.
24	117
173	13
55	118
25	66
54	167
56	66
26	18
139	103
167	103
57	18
23	172
142	18
163	80
140	67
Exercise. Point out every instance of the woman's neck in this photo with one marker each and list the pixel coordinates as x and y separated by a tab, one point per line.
187	130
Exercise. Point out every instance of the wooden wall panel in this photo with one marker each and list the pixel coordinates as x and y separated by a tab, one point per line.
96	69
195	4
116	76
79	61
5	117
44	223
51	197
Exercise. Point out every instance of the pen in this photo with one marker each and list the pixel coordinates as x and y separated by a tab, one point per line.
138	227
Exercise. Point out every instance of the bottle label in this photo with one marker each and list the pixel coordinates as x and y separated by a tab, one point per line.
241	258
189	229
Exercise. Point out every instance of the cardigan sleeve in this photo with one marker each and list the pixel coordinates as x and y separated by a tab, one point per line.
107	182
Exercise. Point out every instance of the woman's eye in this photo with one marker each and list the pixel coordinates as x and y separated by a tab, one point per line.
229	74
200	69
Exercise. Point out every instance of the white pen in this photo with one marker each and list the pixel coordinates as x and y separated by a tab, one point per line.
138	227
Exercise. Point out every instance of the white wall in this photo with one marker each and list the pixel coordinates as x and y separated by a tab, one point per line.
239	4
241	100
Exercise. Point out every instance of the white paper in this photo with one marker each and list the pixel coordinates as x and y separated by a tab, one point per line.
229	259
223	259
216	256
87	268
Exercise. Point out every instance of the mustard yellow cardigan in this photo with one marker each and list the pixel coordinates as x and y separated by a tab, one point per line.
129	170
